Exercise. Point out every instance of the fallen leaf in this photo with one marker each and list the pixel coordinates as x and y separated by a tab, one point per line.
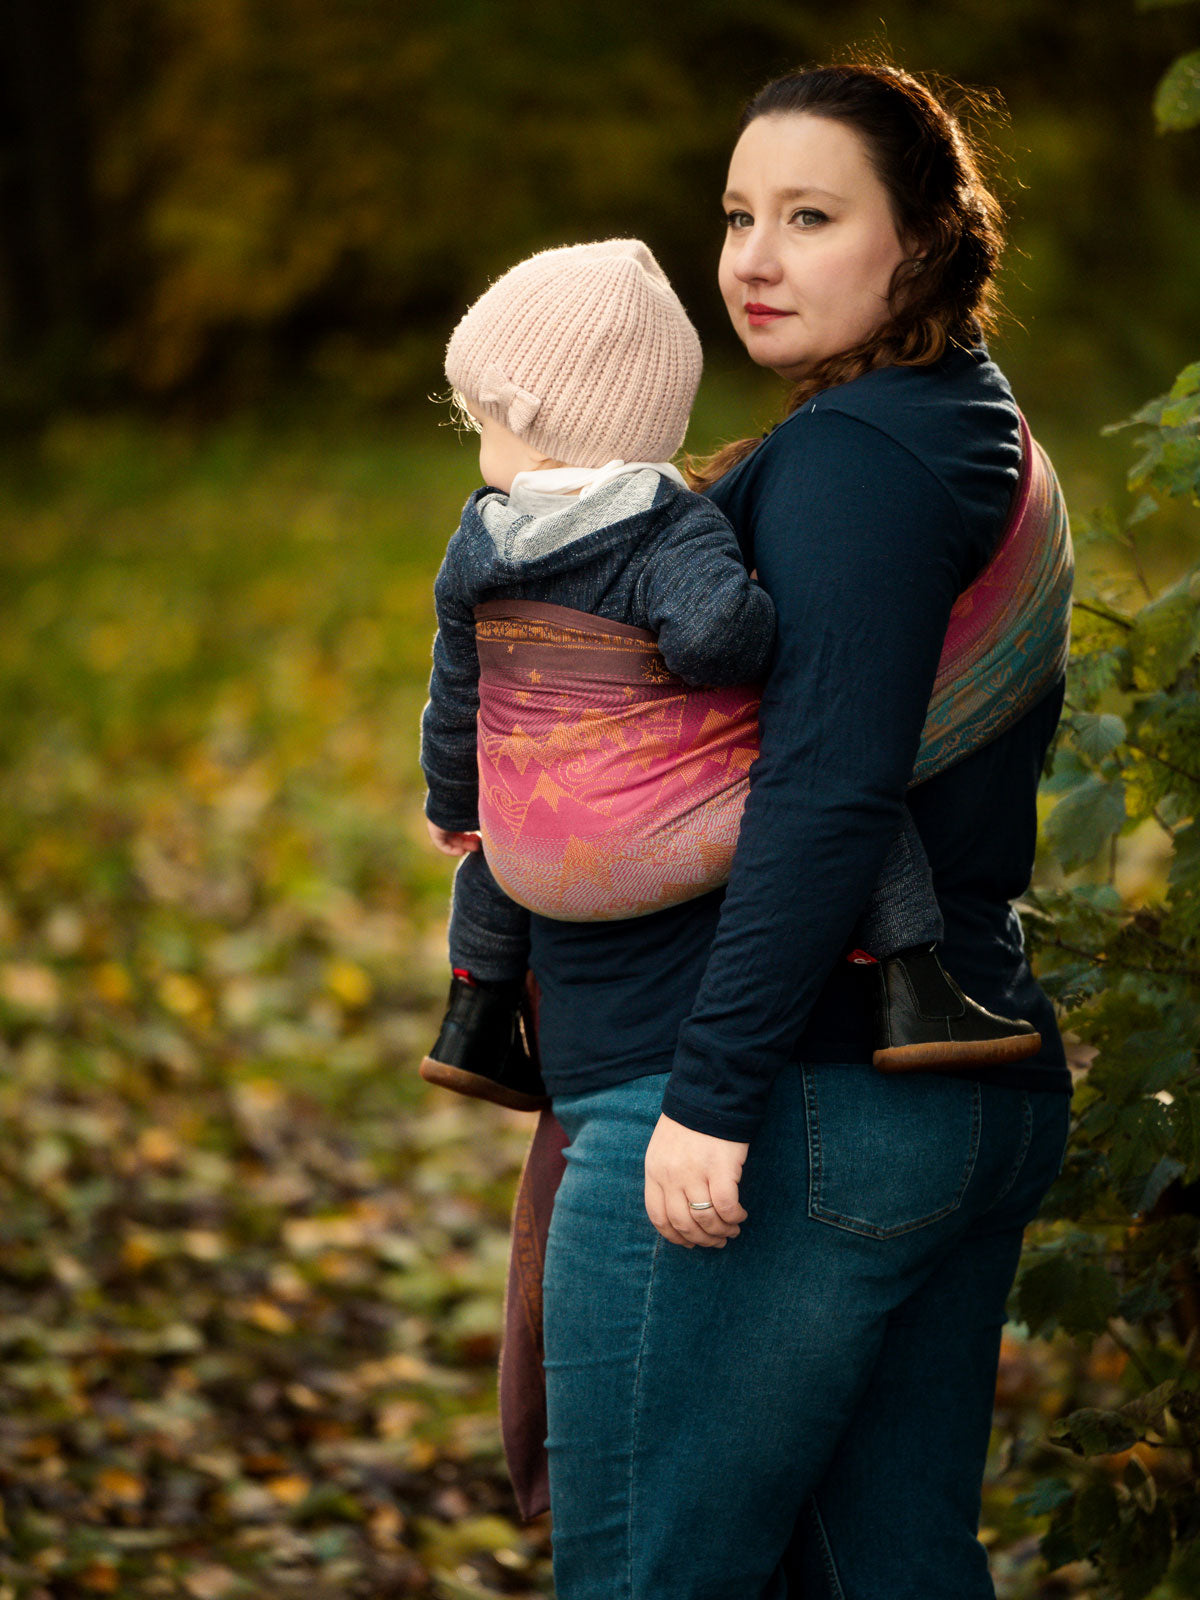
116	1486
100	1576
209	1582
29	986
348	983
290	1489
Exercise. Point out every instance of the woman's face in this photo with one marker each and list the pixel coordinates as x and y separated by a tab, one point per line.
810	242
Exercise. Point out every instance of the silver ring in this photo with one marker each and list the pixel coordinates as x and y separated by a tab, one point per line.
700	1205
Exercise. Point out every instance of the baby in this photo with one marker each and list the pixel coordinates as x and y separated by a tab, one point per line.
579	368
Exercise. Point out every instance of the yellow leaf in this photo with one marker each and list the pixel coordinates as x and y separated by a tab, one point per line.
107	646
181	994
304	1397
348	983
258	1097
119	1487
271	1318
112	983
101	1576
209	1582
385	1527
397	1418
140	1249
204	1244
29	986
311	1235
290	1489
158	1146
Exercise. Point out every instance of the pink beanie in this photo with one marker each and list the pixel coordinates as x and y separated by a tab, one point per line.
584	352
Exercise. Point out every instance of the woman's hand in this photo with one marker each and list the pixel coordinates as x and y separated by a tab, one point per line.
683	1165
453	844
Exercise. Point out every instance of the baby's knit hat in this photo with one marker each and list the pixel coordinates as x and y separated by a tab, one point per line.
584	352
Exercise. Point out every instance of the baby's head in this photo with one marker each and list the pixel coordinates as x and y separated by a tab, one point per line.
578	356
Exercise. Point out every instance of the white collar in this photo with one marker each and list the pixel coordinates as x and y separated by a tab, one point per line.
537	491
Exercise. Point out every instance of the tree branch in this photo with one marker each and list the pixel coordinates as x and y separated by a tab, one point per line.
1101	960
1104	614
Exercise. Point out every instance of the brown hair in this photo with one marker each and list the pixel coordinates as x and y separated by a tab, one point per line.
930	168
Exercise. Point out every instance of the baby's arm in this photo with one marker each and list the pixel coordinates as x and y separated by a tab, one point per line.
715	625
448	721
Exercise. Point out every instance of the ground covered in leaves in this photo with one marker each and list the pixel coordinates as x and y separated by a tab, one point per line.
251	1269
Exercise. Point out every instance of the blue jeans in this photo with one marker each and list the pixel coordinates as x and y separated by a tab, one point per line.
806	1412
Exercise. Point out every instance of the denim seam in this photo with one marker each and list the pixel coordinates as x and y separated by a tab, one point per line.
633	1428
858	1225
1026	1137
827	1561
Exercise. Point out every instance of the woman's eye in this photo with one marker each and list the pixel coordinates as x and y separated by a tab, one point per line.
738	219
808	217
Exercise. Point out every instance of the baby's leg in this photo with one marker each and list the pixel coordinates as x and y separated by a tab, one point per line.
903	910
485	1048
489	933
923	1020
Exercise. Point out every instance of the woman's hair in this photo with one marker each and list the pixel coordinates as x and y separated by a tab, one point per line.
943	293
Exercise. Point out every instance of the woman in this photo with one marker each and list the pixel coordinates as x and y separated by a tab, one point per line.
808	1395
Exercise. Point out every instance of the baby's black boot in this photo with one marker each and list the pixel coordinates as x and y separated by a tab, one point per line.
486	1047
924	1022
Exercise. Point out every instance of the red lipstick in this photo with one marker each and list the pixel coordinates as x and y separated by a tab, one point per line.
760	316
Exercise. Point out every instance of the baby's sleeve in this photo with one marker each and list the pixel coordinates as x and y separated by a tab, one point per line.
448	722
715	624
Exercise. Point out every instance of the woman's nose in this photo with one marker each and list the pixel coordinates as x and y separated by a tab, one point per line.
756	261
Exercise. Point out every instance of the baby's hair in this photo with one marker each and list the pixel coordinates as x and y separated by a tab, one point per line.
460	418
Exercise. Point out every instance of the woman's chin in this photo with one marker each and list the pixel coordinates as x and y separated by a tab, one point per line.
771	353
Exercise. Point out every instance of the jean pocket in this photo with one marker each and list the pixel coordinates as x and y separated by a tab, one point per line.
888	1154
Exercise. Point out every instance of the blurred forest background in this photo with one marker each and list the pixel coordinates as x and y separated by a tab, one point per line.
250	1268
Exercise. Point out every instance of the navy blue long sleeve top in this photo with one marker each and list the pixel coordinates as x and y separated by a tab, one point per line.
866	513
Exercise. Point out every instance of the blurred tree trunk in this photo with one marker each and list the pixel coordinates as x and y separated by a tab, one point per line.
45	206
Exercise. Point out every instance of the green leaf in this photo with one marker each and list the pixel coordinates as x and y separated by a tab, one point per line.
1177	98
1137	1552
1180	413
1084	820
1096	1510
1076	1294
1166	634
1058	1544
1067	772
1147	1409
1046	1495
1165	1172
1098	735
1185	1118
1146	507
1092	1432
1188	382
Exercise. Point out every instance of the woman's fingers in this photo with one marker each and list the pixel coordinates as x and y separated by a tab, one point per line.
656	1210
701	1227
683	1165
723	1192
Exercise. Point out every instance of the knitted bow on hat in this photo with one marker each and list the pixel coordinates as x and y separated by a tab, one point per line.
496	388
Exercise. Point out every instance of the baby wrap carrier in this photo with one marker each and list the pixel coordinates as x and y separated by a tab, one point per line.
610	788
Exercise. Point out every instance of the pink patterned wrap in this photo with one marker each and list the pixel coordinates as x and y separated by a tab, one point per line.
609	788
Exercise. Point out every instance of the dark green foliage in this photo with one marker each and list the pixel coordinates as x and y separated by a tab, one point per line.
1177	103
1116	925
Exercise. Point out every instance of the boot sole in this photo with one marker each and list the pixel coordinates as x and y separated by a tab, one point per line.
477	1087
944	1055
